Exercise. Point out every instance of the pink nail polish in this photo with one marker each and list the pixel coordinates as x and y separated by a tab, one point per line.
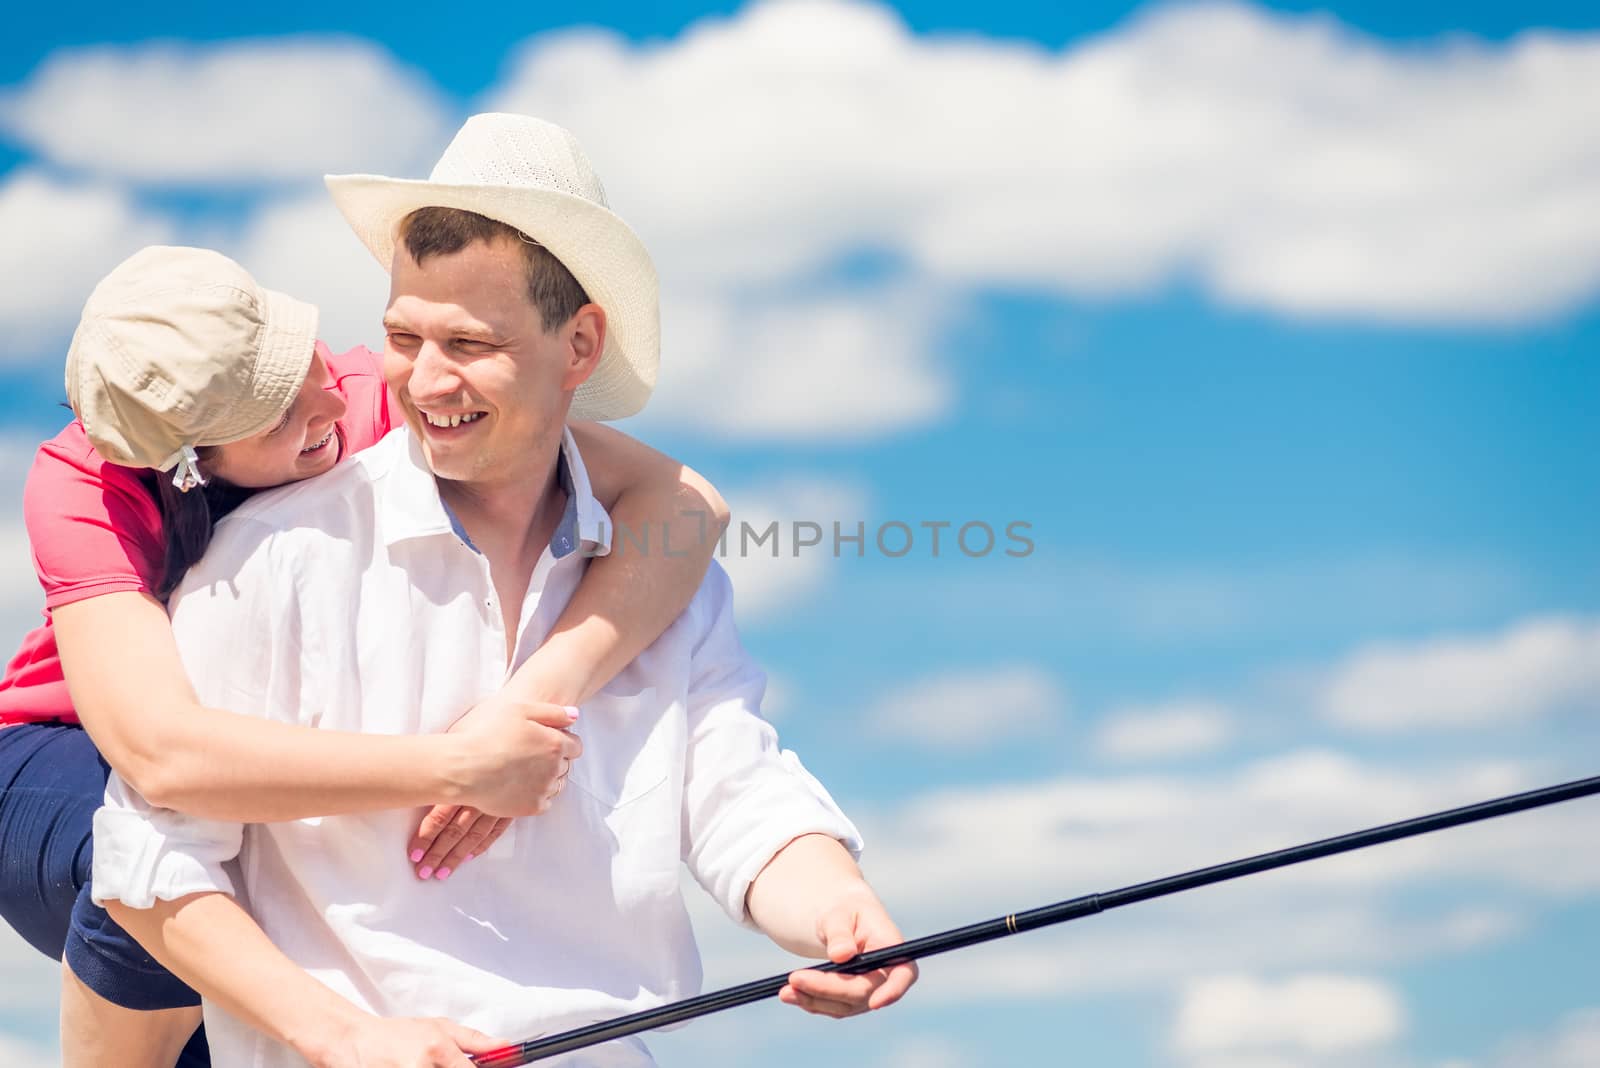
444	873
572	710
469	857
416	855
423	873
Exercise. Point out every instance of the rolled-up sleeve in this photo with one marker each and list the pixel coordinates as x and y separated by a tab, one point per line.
745	798
143	853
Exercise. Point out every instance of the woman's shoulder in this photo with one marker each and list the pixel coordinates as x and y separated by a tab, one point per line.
71	457
71	445
357	363
358	376
94	526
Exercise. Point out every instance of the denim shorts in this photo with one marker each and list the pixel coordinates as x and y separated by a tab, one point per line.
52	780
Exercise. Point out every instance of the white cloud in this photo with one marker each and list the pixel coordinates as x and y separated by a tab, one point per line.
286	109
1256	1060
15	1053
1532	668
255	112
842	366
1166	945
958	855
60	240
29	990
971	710
21	597
1573	1043
1160	731
302	246
1315	1014
771	573
778	700
1288	161
1154	605
926	1051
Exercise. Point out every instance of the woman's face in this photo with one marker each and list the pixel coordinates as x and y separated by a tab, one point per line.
303	443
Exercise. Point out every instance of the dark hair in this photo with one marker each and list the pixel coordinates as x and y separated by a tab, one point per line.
190	518
443	231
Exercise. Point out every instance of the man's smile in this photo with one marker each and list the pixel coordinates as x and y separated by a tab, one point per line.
443	421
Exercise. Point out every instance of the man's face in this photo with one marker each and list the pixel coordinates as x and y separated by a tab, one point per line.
482	385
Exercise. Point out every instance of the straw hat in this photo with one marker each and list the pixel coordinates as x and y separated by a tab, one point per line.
532	175
179	347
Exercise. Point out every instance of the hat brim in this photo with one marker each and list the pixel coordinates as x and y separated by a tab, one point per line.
602	252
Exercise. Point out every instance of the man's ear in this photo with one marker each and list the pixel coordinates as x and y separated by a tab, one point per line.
586	340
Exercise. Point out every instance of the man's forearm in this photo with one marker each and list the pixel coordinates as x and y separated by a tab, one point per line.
211	943
811	899
806	878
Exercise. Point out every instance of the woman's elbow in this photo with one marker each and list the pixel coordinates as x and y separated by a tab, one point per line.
149	760
152	777
699	495
163	787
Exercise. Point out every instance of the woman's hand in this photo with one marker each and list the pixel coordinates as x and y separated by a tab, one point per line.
523	752
451	835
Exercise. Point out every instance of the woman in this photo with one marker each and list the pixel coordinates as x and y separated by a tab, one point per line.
101	681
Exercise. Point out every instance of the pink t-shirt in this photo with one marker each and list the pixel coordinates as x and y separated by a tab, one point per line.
95	528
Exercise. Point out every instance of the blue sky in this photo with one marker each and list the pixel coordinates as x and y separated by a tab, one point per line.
1278	330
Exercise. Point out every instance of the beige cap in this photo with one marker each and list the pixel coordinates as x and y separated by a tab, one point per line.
179	347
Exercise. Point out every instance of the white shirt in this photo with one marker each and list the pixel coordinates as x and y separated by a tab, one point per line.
352	602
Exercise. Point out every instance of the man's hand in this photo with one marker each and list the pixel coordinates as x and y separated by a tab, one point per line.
857	923
810	899
515	756
373	1042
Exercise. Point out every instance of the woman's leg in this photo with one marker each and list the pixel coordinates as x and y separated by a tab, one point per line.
48	777
117	1001
96	1032
51	782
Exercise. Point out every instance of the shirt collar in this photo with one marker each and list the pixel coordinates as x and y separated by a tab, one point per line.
412	507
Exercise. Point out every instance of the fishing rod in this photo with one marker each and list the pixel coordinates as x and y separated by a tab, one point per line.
537	1049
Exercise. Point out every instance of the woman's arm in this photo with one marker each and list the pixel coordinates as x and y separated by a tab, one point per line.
626	598
129	688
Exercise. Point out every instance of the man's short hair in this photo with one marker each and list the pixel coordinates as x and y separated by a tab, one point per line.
443	231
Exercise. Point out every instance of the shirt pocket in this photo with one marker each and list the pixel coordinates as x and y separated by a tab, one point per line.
624	757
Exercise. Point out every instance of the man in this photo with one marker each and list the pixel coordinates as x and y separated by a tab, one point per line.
400	588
